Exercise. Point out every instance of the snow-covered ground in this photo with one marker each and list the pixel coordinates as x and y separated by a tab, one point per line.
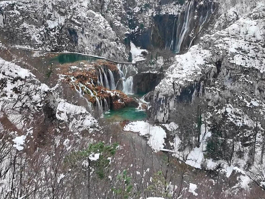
240	49
155	134
137	53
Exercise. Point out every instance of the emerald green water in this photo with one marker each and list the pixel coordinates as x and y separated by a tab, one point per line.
128	113
71	57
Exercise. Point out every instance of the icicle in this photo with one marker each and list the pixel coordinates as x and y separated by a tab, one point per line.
106	79
112	82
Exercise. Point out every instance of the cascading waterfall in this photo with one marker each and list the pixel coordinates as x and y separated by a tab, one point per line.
81	94
91	93
103	79
100	78
106	106
202	21
185	27
112	82
128	85
99	106
120	71
188	24
106	79
172	40
126	75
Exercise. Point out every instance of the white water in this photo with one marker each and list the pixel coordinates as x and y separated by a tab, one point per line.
203	21
185	27
112	82
100	77
81	94
106	106
120	71
106	79
128	85
127	78
172	40
91	93
99	106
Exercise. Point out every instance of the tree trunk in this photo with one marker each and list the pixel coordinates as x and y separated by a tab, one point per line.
88	178
255	140
262	149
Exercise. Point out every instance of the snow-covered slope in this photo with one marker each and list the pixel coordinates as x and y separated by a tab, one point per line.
24	97
226	71
239	47
57	26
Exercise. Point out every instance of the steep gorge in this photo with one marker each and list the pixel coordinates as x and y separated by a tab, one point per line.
201	65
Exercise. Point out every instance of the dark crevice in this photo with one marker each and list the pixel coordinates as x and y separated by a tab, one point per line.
218	66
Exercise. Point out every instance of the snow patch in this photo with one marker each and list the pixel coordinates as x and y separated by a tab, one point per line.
137	53
172	126
19	142
94	157
155	134
192	189
195	158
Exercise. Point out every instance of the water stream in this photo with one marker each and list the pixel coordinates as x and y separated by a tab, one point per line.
106	79
128	113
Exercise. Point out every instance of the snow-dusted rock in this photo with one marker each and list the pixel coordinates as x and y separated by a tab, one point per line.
226	69
23	97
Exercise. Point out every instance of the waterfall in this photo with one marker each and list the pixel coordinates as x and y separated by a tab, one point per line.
185	27
128	85
106	106
205	20
99	106
173	31
120	71
202	21
126	77
112	82
89	105
91	93
106	79
100	77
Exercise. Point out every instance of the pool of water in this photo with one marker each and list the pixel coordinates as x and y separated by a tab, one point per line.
71	57
128	113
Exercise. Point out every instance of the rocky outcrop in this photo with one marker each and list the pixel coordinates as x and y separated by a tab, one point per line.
226	71
59	26
31	106
218	59
96	83
146	82
103	28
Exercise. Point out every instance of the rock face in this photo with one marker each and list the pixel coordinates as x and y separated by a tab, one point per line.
237	49
146	82
226	71
57	26
96	83
213	94
25	102
99	27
